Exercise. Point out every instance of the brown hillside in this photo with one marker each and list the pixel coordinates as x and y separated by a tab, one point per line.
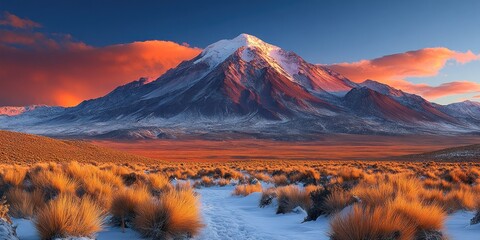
23	148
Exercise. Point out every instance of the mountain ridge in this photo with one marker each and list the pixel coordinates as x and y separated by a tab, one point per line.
244	85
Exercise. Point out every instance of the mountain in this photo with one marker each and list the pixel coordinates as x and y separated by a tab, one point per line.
230	78
424	109
244	86
467	108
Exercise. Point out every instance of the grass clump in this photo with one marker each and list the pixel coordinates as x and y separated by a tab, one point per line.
69	216
124	203
291	196
247	189
173	215
366	222
24	204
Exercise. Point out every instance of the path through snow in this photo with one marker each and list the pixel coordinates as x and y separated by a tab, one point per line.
230	217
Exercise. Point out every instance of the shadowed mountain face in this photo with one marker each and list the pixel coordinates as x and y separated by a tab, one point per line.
247	86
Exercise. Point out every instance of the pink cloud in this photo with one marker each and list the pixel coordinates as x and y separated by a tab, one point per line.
427	62
445	89
8	19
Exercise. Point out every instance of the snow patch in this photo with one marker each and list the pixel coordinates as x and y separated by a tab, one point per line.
217	52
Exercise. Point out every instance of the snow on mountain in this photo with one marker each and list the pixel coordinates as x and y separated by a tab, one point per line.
287	63
218	52
465	108
382	88
413	102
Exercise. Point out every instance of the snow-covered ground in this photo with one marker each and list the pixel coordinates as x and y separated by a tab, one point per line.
231	217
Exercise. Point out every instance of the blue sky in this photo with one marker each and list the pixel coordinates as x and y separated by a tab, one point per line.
320	31
323	32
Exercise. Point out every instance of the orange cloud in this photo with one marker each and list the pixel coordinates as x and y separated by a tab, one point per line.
445	89
427	62
8	19
63	72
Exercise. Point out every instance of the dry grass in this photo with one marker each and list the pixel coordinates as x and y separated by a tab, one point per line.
206	181
13	176
158	183
54	183
371	223
425	217
280	180
68	216
461	198
24	204
267	197
247	189
291	196
336	201
125	202
173	215
4	210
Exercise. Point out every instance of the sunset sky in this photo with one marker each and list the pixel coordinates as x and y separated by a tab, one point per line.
63	52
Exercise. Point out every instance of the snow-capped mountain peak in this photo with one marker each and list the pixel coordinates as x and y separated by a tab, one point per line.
218	52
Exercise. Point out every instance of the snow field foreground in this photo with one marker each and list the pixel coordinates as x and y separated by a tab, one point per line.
228	217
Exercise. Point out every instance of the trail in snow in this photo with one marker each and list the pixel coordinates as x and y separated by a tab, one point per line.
230	217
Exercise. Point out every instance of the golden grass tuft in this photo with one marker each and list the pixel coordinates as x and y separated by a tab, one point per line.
54	183
125	201
280	180
247	189
68	216
425	217
337	200
158	183
24	204
173	215
13	176
292	196
461	198
364	222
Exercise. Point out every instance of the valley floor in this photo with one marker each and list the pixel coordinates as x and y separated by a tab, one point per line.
231	217
327	147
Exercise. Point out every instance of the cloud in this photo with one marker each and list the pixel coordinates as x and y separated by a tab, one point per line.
427	62
445	89
54	69
8	19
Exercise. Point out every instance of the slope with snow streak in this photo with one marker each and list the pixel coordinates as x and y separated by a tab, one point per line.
229	217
